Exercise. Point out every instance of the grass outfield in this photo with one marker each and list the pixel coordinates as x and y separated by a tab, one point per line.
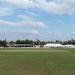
35	61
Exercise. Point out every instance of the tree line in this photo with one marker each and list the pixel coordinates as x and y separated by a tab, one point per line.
3	43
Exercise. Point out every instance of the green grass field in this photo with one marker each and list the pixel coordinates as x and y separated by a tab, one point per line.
31	61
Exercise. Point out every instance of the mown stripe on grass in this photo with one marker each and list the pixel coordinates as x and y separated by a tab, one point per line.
34	51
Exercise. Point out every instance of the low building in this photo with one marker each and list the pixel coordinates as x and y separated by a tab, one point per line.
19	45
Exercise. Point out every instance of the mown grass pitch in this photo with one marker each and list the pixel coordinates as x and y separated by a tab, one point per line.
37	61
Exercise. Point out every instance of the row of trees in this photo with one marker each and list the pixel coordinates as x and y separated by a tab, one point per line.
36	42
27	41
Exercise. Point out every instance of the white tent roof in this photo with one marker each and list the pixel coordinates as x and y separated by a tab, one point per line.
69	45
53	45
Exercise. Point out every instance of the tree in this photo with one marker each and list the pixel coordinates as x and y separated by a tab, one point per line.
12	42
18	42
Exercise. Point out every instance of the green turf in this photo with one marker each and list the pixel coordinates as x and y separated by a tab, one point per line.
37	63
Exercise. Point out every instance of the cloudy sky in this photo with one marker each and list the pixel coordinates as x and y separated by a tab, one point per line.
37	19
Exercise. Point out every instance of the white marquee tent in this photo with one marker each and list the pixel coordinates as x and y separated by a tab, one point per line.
53	45
69	46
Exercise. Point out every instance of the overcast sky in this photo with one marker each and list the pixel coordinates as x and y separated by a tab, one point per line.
37	19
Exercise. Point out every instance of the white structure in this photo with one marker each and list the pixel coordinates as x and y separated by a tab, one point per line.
69	46
53	45
37	46
57	45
